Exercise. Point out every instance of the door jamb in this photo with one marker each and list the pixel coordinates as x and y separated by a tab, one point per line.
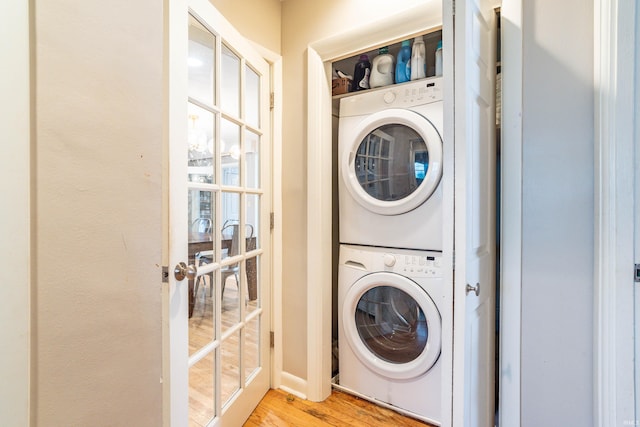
510	320
17	224
614	62
275	63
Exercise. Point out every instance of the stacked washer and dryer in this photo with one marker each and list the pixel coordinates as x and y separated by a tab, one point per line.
390	285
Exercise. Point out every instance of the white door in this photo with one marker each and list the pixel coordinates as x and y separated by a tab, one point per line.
474	287
218	316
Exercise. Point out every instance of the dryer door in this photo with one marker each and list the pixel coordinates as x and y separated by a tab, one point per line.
392	325
394	163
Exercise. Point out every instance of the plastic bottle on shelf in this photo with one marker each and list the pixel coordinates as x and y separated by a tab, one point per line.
361	74
403	66
439	59
382	69
418	64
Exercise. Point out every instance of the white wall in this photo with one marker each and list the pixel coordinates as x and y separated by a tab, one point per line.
15	182
98	160
257	20
557	220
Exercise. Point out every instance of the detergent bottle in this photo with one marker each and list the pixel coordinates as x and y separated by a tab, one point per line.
382	69
418	64
361	74
403	66
439	59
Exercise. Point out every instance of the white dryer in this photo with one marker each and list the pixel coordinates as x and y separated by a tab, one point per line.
390	327
390	161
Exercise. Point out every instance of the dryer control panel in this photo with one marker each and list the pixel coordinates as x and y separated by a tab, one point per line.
415	266
404	95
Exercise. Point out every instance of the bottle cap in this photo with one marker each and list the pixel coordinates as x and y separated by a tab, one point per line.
383	50
406	43
439	45
364	57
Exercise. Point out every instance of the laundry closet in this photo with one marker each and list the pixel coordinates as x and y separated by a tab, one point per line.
393	293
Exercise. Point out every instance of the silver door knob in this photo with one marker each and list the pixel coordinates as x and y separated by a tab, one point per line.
182	270
475	289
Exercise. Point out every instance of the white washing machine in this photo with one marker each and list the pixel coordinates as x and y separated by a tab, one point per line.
390	160
390	327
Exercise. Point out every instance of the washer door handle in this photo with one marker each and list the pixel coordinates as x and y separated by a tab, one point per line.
475	289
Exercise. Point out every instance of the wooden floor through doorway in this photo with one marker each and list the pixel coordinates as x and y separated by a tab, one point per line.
281	409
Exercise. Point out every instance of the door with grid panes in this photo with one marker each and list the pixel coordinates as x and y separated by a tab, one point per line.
217	349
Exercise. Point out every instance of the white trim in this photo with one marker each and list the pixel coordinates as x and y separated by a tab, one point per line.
408	22
15	216
509	399
275	62
448	163
294	385
174	332
319	232
614	61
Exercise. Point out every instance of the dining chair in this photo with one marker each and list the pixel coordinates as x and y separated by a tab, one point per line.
232	229
201	225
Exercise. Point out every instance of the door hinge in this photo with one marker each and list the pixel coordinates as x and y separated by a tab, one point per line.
272	339
453	8
272	100
165	274
272	221
637	273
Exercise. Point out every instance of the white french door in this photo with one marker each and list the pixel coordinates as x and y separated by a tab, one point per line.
218	303
475	169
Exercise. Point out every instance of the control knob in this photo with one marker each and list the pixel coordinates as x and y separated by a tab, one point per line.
389	97
389	260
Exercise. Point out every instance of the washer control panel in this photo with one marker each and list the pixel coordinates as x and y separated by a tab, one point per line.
416	266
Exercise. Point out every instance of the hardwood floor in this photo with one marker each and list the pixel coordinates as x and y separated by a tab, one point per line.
278	408
201	334
281	409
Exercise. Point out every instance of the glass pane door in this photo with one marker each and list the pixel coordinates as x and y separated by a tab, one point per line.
227	208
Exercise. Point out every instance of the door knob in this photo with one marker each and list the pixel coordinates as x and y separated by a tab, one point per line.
475	289
182	270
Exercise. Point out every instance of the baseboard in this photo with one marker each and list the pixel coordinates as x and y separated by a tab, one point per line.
294	385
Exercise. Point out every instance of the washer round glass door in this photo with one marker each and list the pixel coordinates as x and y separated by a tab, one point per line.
394	163
392	325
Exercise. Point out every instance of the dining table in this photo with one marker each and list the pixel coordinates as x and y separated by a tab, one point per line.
203	241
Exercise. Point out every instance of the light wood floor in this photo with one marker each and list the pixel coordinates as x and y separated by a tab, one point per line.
201	374
278	408
281	409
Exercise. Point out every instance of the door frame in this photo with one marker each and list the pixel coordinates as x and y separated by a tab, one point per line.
275	64
510	273
400	26
16	222
319	212
615	26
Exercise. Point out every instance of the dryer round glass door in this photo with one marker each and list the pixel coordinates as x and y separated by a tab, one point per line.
392	325
394	163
